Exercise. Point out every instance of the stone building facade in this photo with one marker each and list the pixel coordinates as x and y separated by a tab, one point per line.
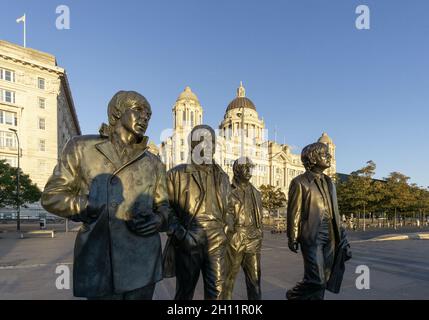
36	101
275	163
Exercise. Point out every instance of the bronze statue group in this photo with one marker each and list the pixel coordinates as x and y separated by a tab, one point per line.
124	198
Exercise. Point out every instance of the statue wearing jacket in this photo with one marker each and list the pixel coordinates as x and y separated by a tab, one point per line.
314	223
198	193
245	241
117	189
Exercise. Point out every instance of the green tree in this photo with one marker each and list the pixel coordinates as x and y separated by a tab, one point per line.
272	198
28	191
420	200
398	194
358	192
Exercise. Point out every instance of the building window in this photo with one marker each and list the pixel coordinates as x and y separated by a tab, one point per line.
42	123
182	156
192	118
182	142
7	75
42	103
7	96
8	118
42	145
7	140
41	83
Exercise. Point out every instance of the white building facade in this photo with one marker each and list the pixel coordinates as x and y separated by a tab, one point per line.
276	165
36	101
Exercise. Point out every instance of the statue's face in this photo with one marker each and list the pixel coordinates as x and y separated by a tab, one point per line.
324	159
136	119
203	146
245	172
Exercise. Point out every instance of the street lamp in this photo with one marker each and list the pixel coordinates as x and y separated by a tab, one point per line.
18	206
241	115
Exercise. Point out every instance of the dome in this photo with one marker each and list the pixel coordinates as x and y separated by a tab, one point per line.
241	100
325	138
187	94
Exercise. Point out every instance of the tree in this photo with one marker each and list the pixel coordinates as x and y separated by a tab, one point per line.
419	201
398	193
272	198
359	191
28	191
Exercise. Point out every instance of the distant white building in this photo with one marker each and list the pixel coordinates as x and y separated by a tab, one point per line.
36	101
275	163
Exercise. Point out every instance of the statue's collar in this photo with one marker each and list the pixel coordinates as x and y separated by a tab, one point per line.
106	132
239	184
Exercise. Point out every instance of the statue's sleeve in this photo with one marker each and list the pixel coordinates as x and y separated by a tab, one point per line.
61	195
228	211
231	215
173	190
294	210
161	204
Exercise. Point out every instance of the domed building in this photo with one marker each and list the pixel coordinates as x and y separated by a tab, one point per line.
331	146
241	115
187	113
275	163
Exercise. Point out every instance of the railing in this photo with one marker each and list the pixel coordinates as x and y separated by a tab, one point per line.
35	216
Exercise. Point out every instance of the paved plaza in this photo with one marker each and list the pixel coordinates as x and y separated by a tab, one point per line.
398	269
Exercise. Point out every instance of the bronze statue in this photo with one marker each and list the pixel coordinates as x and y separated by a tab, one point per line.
244	249
117	188
198	194
314	223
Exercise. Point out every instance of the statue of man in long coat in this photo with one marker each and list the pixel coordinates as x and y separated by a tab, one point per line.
314	224
117	188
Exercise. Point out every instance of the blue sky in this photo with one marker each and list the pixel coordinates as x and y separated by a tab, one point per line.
303	63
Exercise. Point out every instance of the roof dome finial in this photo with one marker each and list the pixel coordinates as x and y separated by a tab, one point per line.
325	138
241	92
187	94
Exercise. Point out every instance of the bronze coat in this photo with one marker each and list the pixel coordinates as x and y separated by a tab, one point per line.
236	211
305	209
108	257
185	200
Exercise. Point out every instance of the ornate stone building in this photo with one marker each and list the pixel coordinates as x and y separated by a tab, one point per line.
187	113
36	101
275	163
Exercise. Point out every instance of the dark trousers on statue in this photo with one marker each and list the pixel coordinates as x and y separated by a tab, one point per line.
145	293
318	262
208	257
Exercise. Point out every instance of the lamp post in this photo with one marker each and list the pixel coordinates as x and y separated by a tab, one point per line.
241	115
18	206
